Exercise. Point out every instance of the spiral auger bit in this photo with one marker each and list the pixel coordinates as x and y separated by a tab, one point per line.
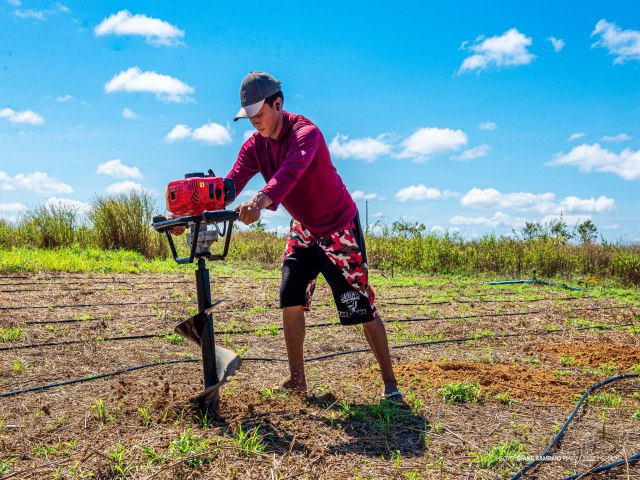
197	203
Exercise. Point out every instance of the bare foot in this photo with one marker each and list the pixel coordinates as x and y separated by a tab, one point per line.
295	384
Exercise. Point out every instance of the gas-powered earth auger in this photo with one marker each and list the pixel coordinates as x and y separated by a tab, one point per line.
198	202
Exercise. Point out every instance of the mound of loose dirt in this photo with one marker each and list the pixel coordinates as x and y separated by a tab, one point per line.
596	354
522	383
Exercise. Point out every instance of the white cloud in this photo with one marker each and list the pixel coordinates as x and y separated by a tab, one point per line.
115	168
279	213
76	205
499	219
11	211
621	137
367	149
125	187
570	220
38	182
179	132
439	229
165	87
15	3
492	199
30	13
573	204
210	133
625	164
129	114
475	152
154	30
624	44
575	136
558	43
247	135
38	14
421	192
488	126
12	207
506	50
248	193
27	116
64	98
360	195
429	141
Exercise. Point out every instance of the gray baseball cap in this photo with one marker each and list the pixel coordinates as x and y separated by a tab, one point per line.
254	89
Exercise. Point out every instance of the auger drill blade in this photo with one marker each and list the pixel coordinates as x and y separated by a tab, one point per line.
227	363
192	327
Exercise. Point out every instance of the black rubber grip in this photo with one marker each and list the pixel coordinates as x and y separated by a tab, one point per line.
219	216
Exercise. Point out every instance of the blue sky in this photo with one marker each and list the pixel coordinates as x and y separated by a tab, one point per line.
456	115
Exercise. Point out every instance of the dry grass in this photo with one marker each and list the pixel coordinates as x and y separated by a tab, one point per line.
140	425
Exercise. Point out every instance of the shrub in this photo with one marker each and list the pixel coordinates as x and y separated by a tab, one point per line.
50	226
123	221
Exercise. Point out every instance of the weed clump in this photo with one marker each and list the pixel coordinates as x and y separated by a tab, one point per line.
124	222
460	393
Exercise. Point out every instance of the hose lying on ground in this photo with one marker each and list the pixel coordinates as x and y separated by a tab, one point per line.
560	434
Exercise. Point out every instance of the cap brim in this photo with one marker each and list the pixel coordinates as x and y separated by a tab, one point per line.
249	111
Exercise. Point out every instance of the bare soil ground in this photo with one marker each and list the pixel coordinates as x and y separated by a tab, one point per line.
538	348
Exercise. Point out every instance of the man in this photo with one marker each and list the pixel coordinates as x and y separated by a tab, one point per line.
325	237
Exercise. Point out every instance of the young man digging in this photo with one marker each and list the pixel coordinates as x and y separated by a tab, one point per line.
325	236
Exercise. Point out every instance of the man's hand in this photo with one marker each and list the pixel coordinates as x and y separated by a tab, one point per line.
176	230
249	212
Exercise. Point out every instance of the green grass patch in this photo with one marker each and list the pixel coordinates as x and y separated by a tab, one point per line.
607	399
271	393
10	334
249	443
378	417
460	392
508	453
174	338
193	446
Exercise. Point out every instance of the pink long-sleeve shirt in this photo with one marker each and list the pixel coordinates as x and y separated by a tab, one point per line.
299	174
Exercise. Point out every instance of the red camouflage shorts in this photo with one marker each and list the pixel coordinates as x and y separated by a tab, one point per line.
341	258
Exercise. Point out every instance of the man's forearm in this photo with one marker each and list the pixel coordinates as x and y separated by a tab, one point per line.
261	200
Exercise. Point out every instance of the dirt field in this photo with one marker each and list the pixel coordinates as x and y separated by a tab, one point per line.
536	347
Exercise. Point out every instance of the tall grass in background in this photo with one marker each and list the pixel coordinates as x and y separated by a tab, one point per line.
123	221
114	222
548	257
51	226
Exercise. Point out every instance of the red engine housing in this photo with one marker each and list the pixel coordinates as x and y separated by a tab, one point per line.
192	196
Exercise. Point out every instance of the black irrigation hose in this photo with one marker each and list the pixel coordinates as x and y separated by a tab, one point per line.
524	300
76	320
85	305
566	424
312	325
63	281
75	342
87	290
307	360
435	342
609	466
93	282
96	377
